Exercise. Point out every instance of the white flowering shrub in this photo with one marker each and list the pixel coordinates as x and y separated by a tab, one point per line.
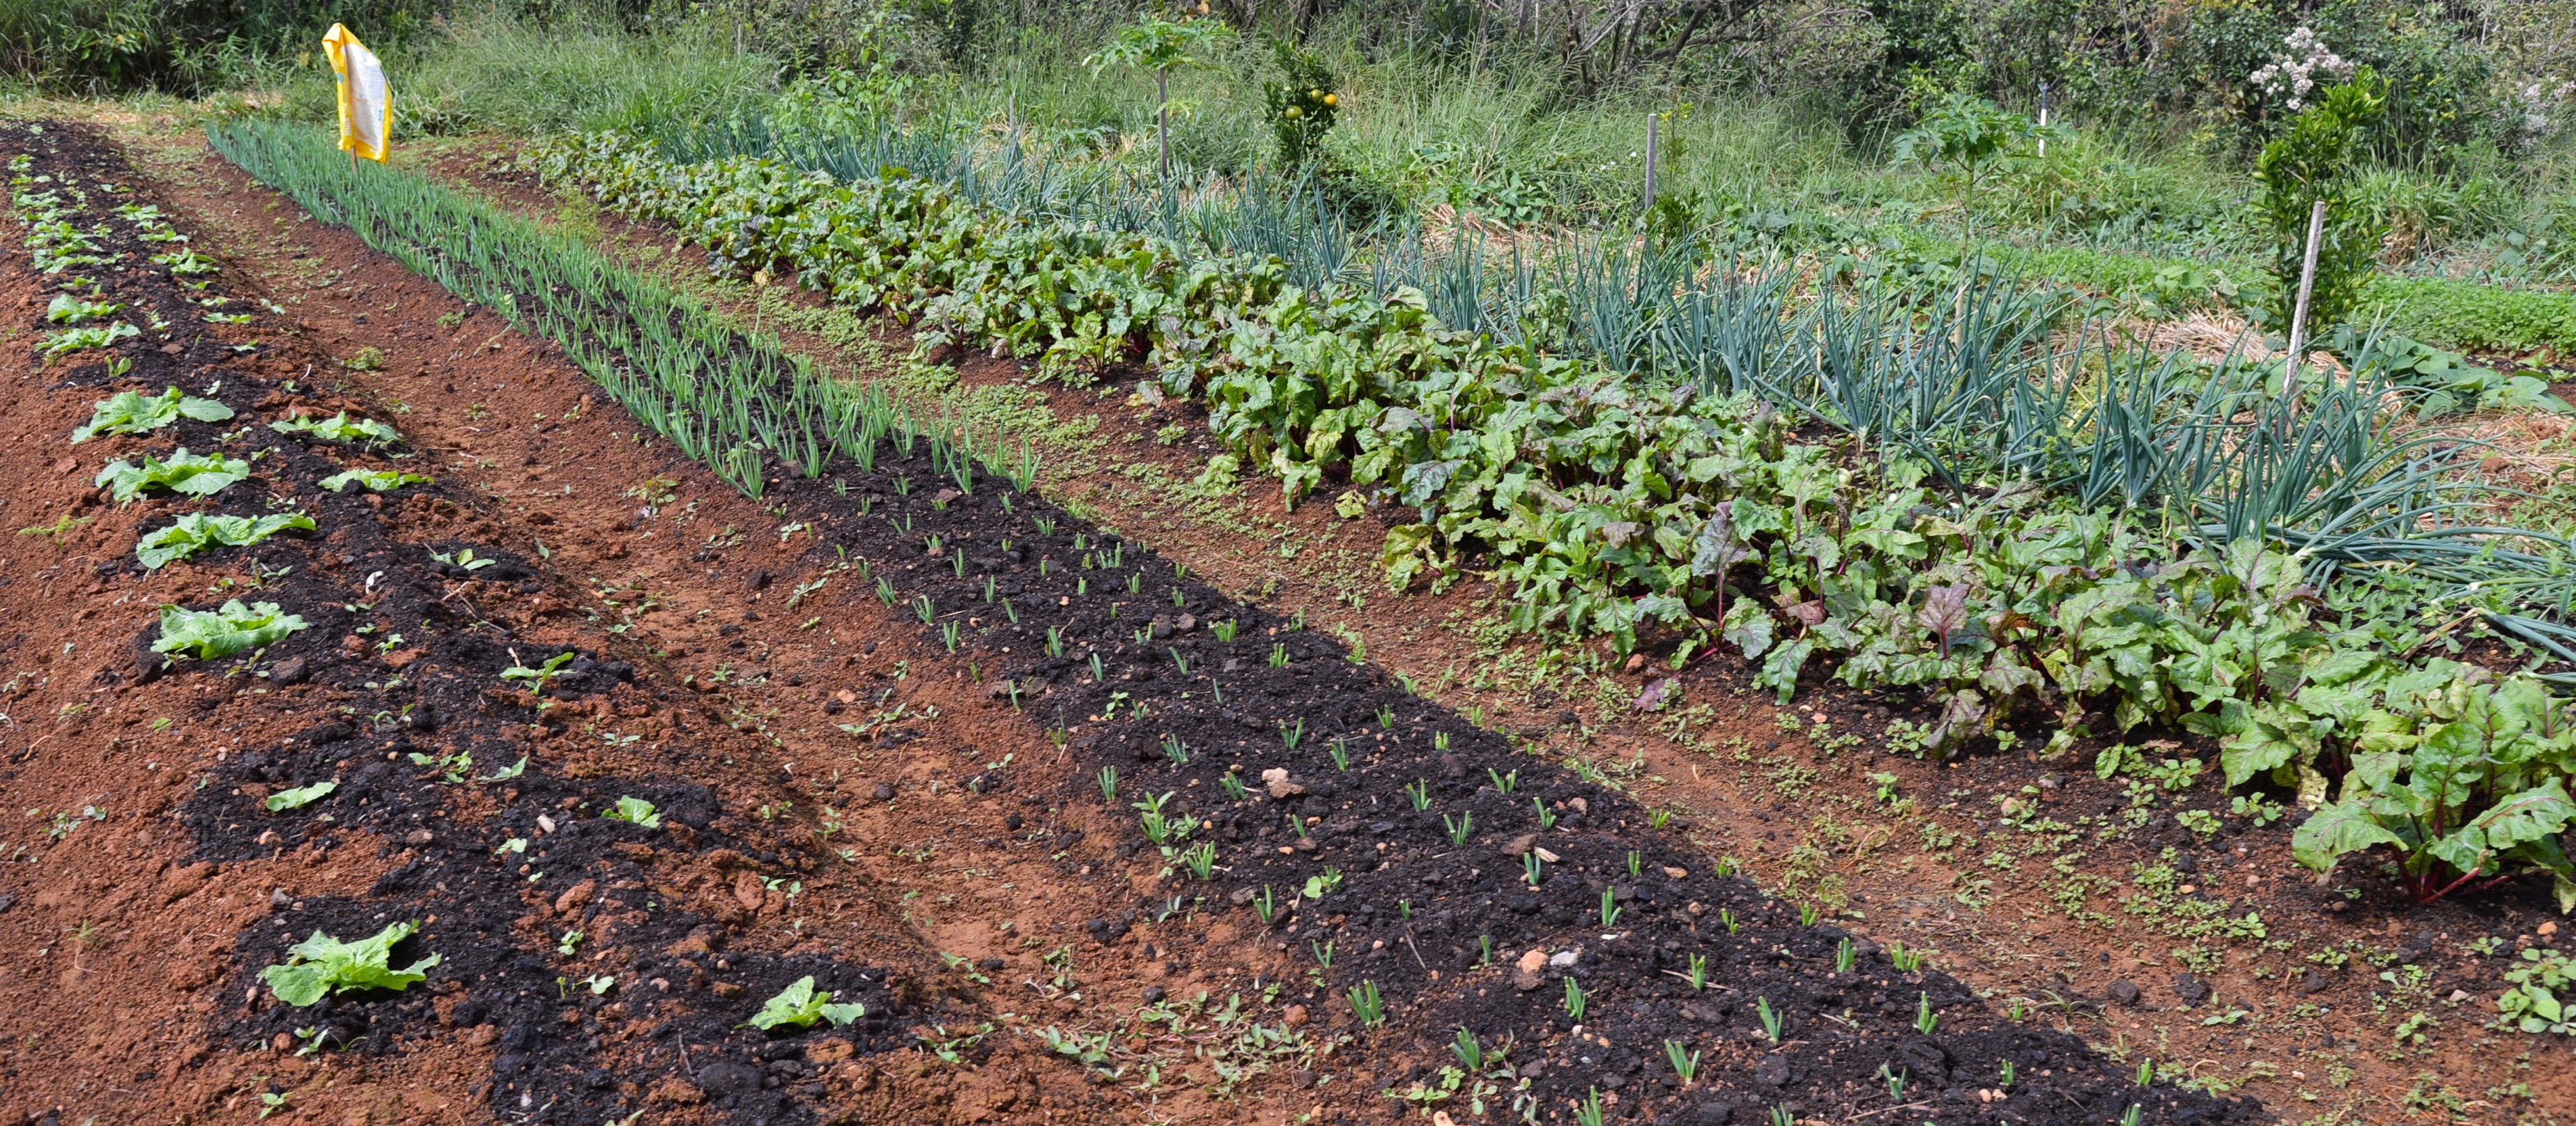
2296	74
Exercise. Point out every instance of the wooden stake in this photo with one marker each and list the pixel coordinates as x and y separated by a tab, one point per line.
1163	119
1651	137
2307	286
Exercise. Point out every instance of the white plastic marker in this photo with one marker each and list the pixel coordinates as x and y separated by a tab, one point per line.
366	103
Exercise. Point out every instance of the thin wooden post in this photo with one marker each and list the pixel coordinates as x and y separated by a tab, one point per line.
2299	313
1652	136
1163	118
2043	120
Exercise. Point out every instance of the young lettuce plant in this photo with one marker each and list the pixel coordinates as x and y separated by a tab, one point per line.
802	1005
372	480
635	811
339	428
197	531
128	413
185	473
322	964
224	631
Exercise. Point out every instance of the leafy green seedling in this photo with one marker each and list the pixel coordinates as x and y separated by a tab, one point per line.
634	811
299	797
323	964
225	631
128	413
197	531
541	675
185	473
339	428
66	309
801	1005
465	559
377	481
87	337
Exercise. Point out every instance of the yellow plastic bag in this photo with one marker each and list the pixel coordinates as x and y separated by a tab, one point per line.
366	103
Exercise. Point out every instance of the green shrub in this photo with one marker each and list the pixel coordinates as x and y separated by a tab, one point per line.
2311	162
1302	103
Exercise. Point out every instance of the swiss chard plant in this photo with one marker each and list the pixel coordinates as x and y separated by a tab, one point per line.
2470	793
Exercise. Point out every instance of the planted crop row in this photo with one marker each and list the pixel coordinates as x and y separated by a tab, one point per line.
1607	506
739	405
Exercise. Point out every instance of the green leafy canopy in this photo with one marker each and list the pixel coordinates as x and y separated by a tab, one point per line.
322	964
225	631
129	413
185	473
801	1005
197	531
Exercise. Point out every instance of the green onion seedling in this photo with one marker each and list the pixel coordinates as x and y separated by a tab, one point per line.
1924	1020
1636	864
1233	786
1420	793
1459	828
1367	1005
1609	909
1470	1053
1293	734
1109	783
1589	1112
1575	1001
1266	904
1770	1018
1546	820
1530	868
1685	1063
1504	783
1843	956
